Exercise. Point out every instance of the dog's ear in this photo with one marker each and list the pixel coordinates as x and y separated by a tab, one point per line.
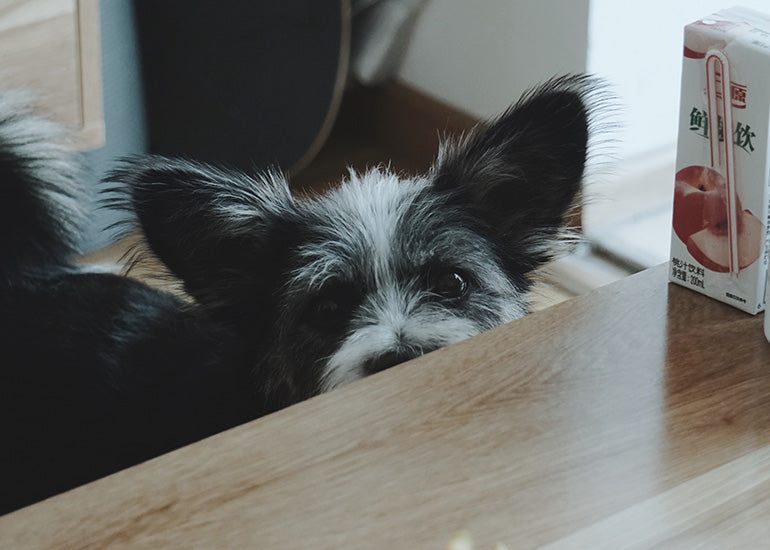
520	174
223	233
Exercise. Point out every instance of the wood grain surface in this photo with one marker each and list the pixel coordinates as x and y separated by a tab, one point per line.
636	416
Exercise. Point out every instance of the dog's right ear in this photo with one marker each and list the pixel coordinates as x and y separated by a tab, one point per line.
521	173
222	232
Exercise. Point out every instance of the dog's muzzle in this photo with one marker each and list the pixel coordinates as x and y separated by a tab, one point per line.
387	360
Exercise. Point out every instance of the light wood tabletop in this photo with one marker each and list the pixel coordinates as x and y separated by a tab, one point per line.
635	416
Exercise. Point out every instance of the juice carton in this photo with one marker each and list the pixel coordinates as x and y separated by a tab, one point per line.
719	241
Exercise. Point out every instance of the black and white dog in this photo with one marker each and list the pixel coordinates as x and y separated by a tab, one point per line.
292	297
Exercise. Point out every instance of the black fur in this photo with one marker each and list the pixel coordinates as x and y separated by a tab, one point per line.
523	173
40	194
100	372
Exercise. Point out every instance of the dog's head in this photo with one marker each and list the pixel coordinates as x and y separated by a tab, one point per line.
383	268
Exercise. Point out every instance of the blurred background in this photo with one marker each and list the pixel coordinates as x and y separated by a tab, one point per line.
312	86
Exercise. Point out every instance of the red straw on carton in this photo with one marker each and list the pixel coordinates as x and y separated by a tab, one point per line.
722	153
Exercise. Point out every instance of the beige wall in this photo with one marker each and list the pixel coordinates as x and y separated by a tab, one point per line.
479	55
646	72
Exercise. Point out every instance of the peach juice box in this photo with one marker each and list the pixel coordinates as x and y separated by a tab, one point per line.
719	239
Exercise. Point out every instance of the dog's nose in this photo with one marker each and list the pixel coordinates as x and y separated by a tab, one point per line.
387	360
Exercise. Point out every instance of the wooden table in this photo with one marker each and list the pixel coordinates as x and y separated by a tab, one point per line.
634	416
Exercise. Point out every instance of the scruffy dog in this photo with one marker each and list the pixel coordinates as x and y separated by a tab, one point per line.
292	297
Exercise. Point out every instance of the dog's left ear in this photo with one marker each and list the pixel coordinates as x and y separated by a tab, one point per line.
520	174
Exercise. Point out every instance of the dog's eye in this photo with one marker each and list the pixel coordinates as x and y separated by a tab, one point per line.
448	284
331	309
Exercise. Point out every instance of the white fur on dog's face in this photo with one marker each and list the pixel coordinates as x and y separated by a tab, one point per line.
376	242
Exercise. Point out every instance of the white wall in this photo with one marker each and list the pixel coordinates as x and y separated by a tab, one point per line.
479	55
638	47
